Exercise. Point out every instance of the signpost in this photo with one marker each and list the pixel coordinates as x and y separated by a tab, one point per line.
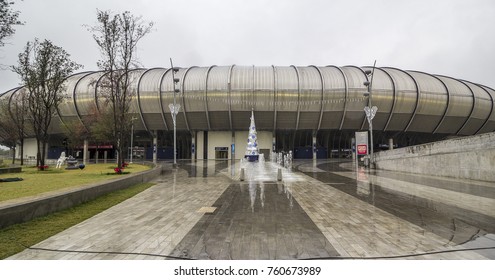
361	144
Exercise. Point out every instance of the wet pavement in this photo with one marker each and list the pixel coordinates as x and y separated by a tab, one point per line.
467	216
255	220
320	209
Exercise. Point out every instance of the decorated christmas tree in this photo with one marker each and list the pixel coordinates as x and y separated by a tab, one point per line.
252	153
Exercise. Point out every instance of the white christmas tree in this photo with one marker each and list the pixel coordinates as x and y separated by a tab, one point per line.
252	143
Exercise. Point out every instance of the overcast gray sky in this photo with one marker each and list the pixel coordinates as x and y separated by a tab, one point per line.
449	37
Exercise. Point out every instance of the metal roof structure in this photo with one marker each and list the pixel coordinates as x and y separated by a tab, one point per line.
292	98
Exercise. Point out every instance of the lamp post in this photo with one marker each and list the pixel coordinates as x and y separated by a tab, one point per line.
174	108
132	137
370	110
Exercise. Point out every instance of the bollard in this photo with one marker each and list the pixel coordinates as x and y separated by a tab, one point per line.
242	174
279	174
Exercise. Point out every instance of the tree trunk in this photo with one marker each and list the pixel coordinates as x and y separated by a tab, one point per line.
120	155
39	161
13	155
22	151
43	153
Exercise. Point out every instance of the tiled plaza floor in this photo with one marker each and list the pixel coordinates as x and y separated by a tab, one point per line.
320	209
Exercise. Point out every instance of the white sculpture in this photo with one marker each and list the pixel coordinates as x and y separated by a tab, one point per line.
61	160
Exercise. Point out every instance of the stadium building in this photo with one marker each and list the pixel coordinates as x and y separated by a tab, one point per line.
312	111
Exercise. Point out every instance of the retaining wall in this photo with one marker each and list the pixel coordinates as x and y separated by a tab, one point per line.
10	170
27	210
471	157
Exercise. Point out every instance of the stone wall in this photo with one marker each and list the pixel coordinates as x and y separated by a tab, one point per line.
27	210
471	157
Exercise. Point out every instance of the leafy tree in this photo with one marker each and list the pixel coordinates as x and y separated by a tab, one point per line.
8	18
117	37
43	68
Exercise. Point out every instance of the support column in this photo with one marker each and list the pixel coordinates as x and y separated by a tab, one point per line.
274	147
85	152
232	146
353	147
155	142
193	146
391	143
314	146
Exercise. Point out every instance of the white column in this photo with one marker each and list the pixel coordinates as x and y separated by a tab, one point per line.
200	144
390	143
85	152
155	148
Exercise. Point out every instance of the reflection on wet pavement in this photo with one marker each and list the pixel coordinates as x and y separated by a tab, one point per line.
205	168
468	216
255	220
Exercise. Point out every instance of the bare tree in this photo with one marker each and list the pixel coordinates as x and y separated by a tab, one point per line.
8	18
117	37
19	109
75	133
100	123
43	68
8	135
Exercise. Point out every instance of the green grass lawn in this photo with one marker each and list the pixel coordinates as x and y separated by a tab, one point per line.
37	182
15	238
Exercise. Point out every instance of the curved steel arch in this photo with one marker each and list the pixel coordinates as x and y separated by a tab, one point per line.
96	89
229	89
366	77
183	95
14	91
207	112
491	109
275	99
73	101
476	116
298	95
137	90
492	116
321	99
346	94
472	106
418	93
394	97
162	110
448	101
138	95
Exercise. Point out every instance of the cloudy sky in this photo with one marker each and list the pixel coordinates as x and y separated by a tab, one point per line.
449	37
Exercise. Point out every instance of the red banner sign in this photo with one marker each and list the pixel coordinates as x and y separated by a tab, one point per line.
362	149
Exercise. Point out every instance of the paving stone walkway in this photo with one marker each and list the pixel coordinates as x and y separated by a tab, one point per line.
323	209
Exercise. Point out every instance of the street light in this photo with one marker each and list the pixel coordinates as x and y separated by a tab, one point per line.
174	108
370	110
